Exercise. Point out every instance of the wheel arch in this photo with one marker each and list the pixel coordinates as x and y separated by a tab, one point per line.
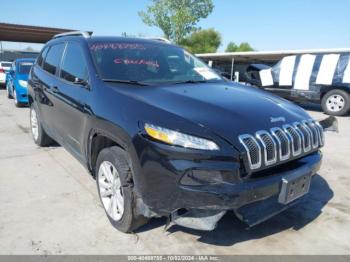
325	89
30	99
98	140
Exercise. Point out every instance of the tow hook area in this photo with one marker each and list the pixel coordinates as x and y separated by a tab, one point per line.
197	218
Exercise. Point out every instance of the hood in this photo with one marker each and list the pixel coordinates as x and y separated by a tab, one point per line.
22	76
226	109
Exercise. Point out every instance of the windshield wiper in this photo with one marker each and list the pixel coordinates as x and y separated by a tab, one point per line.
131	82
190	82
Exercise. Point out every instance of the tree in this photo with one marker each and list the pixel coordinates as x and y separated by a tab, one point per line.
243	47
29	49
231	47
176	18
202	41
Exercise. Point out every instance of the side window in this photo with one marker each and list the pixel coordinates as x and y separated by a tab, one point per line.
74	67
53	58
41	57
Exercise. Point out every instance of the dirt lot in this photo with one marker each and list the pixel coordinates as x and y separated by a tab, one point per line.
49	205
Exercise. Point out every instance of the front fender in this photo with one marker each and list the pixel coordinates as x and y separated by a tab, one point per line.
119	136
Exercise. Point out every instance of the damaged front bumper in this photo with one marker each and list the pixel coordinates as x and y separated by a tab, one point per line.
256	200
196	191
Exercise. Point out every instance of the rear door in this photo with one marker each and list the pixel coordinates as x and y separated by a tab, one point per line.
72	99
49	86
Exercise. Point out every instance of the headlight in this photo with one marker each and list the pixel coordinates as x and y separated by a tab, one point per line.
23	83
179	139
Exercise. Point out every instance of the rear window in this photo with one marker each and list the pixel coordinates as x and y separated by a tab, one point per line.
24	67
53	58
42	56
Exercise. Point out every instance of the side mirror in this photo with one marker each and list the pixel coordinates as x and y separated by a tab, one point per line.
81	82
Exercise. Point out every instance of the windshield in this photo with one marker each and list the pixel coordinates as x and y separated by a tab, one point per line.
151	63
24	68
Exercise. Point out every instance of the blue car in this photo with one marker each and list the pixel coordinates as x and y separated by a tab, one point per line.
17	80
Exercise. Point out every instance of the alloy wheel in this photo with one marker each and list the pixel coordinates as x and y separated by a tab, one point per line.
34	124
15	96
111	190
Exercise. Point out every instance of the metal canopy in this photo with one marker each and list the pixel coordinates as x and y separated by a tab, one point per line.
265	56
28	34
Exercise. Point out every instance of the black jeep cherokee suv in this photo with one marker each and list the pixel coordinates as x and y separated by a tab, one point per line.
165	135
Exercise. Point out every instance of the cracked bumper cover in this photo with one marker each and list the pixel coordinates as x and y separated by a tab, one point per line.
179	179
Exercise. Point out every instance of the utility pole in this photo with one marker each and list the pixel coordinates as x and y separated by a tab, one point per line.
232	63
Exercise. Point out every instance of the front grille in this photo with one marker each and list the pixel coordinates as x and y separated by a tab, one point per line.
305	135
280	144
315	136
295	139
320	133
269	147
253	150
283	143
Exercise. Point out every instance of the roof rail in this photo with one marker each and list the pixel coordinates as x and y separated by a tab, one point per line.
162	39
74	33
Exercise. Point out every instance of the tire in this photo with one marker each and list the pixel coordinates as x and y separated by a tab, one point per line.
38	133
113	165
15	100
336	102
9	96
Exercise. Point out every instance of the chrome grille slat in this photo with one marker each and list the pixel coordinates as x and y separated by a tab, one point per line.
309	131
253	154
283	143
280	144
304	135
321	134
269	145
296	139
315	133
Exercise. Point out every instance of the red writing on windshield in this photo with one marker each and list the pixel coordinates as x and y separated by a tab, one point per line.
136	62
103	46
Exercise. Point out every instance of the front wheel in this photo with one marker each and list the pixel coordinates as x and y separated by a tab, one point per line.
9	96
39	135
115	188
336	102
15	98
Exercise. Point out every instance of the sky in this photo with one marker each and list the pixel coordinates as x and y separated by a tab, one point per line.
265	24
